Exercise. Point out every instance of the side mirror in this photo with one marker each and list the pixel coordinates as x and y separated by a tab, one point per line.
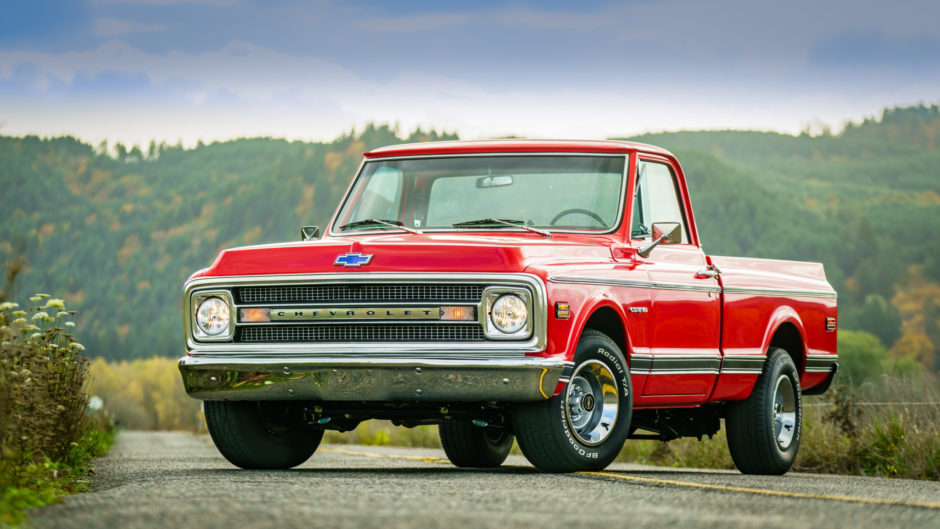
663	233
309	233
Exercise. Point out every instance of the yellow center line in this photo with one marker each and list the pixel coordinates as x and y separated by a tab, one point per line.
672	482
766	492
343	451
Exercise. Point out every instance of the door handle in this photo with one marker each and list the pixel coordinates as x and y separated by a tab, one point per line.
707	272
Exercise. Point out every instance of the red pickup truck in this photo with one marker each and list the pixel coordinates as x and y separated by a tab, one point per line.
552	292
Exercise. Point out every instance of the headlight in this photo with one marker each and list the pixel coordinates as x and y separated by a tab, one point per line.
213	316
509	313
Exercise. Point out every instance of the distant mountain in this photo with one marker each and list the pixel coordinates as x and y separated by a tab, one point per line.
118	234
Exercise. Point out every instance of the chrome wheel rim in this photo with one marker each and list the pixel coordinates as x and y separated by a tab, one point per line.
784	412
592	402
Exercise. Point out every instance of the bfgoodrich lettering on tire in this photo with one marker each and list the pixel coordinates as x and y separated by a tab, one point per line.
764	430
584	427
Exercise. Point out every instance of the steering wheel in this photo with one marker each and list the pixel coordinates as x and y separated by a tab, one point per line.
572	211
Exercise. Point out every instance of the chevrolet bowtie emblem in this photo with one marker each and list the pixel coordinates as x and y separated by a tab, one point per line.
352	259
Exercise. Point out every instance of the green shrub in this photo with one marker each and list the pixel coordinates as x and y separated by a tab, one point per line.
46	437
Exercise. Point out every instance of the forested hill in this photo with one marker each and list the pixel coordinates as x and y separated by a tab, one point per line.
117	235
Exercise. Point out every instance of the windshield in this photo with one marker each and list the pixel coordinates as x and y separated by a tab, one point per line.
486	192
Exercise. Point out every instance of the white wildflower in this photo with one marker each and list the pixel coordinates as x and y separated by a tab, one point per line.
8	305
19	322
40	315
77	346
19	313
35	299
29	328
55	304
42	296
62	314
35	336
70	324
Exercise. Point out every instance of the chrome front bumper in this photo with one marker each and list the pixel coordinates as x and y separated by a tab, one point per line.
517	379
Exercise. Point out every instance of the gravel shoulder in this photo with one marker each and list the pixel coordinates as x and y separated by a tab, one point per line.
166	479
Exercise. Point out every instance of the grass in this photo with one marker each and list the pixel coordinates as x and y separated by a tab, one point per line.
854	431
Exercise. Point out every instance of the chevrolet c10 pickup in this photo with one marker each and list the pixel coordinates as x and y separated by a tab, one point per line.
550	292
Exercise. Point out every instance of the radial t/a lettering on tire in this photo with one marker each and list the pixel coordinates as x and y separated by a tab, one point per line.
764	430
583	427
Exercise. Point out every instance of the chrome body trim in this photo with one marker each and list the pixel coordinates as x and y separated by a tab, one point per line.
370	378
634	283
816	363
674	364
631	283
781	292
534	341
742	364
335	232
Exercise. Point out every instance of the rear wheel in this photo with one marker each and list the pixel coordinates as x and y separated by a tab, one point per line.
764	430
468	445
583	427
266	434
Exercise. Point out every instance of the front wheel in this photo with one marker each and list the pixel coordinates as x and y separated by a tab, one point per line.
261	435
764	430
467	445
583	427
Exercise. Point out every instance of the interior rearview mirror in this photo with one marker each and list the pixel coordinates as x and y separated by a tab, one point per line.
663	233
494	181
309	233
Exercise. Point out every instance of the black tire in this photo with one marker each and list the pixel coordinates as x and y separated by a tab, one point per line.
759	438
467	445
261	435
565	433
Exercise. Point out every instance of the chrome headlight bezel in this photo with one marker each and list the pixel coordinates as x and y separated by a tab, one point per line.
492	331
200	297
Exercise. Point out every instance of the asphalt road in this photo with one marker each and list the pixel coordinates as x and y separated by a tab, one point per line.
178	480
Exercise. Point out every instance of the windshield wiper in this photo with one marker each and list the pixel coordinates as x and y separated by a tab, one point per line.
499	223
397	224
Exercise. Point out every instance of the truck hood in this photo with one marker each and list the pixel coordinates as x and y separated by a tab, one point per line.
411	253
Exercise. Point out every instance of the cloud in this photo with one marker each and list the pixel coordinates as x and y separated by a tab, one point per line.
109	27
240	68
429	22
313	69
164	2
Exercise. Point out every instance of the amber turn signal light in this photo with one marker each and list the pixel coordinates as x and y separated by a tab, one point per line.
458	313
562	310
254	315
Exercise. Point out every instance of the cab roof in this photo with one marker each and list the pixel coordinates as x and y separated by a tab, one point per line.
515	146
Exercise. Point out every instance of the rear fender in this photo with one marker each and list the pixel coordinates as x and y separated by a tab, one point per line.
782	316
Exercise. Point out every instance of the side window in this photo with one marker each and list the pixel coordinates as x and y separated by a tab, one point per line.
656	200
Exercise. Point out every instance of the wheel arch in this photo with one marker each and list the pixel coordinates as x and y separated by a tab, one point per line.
609	321
603	315
785	331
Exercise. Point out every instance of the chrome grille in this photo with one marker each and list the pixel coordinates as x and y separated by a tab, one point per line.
339	333
385	293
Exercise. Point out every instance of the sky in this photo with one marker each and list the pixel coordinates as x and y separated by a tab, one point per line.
188	70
